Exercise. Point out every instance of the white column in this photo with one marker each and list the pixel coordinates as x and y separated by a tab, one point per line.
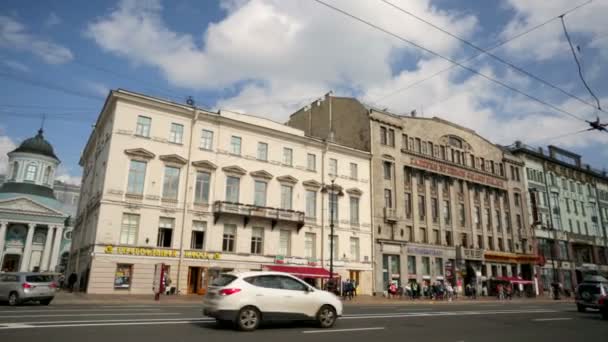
44	266
56	246
27	251
2	240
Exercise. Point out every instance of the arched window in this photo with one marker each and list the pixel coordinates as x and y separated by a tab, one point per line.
15	170
47	175
30	172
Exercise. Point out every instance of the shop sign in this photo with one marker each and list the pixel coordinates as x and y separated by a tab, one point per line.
157	252
279	259
510	257
424	251
473	254
457	172
449	270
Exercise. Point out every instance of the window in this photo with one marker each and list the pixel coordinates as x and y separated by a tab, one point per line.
472	162
171	183
421	207
291	284
387	169
287	156
228	241
259	194
423	237
517	199
478	217
438	266
388	198
311	162
333	206
207	140
201	191
137	175
418	145
30	172
519	224
257	236
408	205
498	220
567	205
354	249
286	196
411	264
431	149
490	243
47	174
333	167
284	242
232	189
479	241
464	240
176	135
311	204
448	238
262	151
447	216
583	209
333	241
198	235
435	210
509	245
436	237
122	276
165	232
235	145
461	212
128	229
500	245
383	136
354	171
410	233
354	211
310	245
391	137
426	265
143	126
407	177
404	141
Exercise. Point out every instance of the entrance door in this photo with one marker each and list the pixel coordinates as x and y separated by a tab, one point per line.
193	279
202	281
11	263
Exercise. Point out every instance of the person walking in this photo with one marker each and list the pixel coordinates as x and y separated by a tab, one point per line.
450	291
72	279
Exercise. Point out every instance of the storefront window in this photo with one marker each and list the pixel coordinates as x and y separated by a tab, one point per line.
122	277
426	266
439	266
411	264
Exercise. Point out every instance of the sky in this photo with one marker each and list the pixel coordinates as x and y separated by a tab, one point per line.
270	58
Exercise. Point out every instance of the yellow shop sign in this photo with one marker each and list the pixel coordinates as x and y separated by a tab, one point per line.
157	252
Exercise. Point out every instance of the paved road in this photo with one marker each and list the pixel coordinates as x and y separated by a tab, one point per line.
491	322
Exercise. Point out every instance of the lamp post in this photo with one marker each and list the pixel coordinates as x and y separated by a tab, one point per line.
331	229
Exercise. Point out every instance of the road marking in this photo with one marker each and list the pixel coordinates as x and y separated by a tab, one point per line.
14	325
112	320
411	309
450	313
340	330
93	315
107	324
552	319
75	310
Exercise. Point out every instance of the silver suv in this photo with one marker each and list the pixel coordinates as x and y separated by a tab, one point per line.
20	287
589	292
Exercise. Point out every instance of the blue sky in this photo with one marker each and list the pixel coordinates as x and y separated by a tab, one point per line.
268	58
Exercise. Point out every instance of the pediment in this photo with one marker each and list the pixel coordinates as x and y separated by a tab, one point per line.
140	152
234	170
336	188
287	179
311	183
388	157
261	174
204	164
173	158
25	205
354	191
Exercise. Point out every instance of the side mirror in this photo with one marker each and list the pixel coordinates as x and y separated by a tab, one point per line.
310	289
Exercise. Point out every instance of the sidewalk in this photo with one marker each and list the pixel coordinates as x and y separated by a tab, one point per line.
64	298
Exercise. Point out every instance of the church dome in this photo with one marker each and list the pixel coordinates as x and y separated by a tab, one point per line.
37	145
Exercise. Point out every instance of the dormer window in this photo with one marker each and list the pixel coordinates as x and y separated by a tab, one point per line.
455	142
47	175
30	172
15	171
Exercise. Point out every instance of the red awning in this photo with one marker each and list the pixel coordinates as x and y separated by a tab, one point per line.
515	280
301	271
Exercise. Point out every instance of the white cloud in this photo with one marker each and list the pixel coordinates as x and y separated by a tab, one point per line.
65	175
6	145
18	66
52	20
14	35
97	88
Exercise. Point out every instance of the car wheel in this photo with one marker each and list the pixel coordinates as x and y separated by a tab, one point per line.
580	308
13	299
248	319
46	301
327	316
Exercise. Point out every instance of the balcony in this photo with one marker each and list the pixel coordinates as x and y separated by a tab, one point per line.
390	215
247	211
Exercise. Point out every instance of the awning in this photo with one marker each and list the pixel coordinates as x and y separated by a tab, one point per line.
301	271
515	280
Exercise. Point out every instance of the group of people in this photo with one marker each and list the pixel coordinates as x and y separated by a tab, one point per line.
413	290
349	289
504	291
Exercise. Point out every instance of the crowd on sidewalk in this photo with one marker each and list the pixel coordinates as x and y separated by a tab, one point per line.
445	291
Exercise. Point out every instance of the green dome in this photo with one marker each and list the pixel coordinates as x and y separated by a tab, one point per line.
37	145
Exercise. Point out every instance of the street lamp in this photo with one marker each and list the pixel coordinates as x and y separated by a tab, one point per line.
331	228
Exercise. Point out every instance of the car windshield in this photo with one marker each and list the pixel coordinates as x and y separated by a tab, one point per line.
590	288
39	278
223	280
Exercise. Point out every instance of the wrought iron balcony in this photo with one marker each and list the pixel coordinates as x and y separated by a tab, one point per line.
248	211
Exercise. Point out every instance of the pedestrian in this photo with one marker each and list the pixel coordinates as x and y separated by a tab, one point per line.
353	284
450	291
72	279
392	290
467	290
509	292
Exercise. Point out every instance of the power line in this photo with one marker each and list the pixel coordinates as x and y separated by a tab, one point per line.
580	69
489	78
499	44
483	51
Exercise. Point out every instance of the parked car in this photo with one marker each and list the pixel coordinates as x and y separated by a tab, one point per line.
20	287
589	293
247	299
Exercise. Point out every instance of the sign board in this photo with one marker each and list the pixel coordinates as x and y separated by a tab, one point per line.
159	252
457	172
424	251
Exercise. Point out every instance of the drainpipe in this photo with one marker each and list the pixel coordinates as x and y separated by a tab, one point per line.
186	194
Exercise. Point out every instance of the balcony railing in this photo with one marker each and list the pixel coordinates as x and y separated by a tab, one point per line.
390	215
248	211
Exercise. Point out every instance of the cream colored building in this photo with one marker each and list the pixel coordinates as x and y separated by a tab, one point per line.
206	192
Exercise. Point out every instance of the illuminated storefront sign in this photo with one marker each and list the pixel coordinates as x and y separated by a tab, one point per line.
156	252
510	257
457	172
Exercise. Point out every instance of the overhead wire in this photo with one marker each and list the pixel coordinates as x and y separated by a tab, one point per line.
497	45
489	78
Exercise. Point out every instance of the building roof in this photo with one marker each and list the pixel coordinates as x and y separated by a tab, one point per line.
37	145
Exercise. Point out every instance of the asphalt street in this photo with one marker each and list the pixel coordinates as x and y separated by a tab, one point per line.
453	322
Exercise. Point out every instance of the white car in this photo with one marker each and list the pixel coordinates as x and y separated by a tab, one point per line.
245	299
